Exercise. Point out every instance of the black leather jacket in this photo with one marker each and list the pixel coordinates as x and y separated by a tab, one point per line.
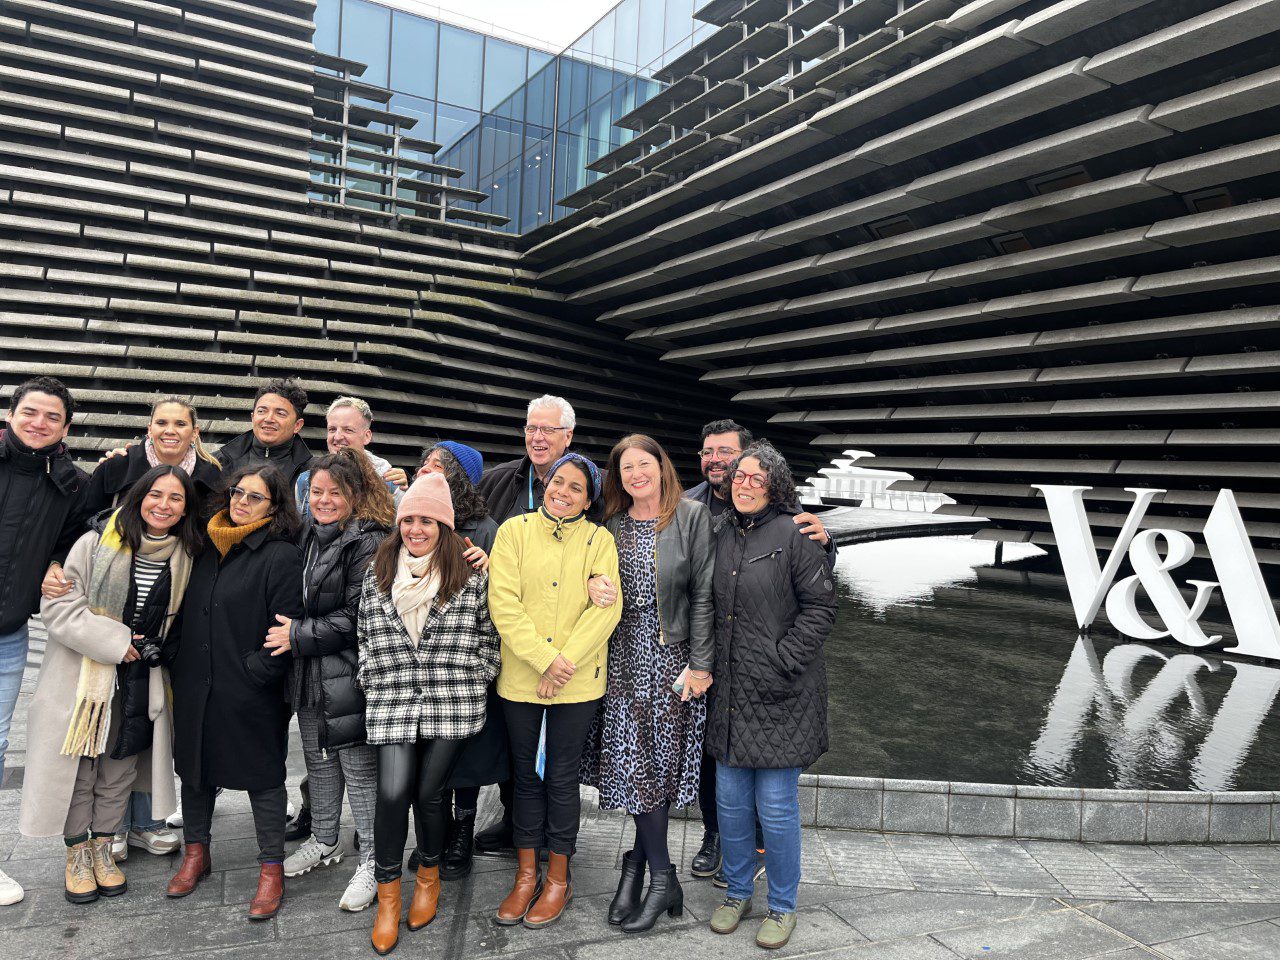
686	565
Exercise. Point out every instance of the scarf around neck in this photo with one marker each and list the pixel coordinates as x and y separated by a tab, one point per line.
413	591
188	463
110	582
224	534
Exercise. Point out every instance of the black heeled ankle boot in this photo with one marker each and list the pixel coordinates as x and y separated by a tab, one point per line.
627	900
455	864
664	893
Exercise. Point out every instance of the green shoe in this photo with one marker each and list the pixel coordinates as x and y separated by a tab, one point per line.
729	914
775	931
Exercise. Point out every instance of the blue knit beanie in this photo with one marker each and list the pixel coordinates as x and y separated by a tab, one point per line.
587	467
469	458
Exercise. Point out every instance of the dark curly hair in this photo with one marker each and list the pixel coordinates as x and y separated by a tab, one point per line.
286	387
468	504
781	487
49	385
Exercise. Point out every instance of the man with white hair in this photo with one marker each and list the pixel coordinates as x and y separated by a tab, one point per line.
349	423
516	487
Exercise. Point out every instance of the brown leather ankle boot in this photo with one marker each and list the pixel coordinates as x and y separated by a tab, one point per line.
426	897
386	924
266	902
556	893
195	867
512	910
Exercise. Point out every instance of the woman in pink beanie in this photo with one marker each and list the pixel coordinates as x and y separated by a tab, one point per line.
428	652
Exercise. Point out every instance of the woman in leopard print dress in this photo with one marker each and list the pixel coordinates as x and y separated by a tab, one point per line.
644	751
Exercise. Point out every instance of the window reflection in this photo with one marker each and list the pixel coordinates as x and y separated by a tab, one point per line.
366	32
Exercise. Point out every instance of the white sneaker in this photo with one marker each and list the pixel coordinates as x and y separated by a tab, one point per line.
119	848
161	842
10	890
362	890
312	854
175	819
289	811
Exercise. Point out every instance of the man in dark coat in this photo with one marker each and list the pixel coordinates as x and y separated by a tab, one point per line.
516	487
41	506
276	422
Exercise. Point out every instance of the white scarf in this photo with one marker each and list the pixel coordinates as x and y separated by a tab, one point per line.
413	592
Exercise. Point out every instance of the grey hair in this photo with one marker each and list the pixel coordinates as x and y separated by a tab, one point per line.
781	486
548	402
355	403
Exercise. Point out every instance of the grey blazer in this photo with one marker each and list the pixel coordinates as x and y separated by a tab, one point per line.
686	566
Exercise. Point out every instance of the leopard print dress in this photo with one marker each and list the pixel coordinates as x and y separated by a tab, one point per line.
645	744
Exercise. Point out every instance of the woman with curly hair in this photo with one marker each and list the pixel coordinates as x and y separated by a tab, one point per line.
775	604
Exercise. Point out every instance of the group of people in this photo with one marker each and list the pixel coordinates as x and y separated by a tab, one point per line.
539	625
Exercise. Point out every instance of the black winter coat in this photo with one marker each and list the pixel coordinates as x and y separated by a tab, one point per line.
115	475
324	643
41	517
775	603
702	494
291	460
230	704
134	679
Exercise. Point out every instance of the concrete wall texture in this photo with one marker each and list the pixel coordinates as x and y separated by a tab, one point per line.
994	242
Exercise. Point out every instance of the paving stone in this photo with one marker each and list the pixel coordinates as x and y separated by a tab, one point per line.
908	913
1254	941
1152	923
854	809
1177	822
915	812
1060	935
1240	822
1047	819
1107	821
980	816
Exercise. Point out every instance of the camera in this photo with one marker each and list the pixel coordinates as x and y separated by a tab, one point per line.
148	650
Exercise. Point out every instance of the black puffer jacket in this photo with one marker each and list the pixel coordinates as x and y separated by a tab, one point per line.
775	603
324	640
115	475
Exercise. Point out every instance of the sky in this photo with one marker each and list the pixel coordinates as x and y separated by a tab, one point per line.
555	22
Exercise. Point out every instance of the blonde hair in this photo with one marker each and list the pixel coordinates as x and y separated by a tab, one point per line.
201	450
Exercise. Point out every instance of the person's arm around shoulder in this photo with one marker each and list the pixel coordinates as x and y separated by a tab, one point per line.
814	588
596	625
488	642
71	623
506	606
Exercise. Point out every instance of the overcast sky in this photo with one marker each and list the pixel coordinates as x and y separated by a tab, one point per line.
556	22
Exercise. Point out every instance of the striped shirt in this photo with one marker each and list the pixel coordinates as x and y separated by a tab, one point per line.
145	575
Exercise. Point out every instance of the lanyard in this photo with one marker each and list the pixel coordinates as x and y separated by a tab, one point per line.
531	507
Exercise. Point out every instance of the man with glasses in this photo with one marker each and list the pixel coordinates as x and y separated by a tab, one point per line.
722	443
516	487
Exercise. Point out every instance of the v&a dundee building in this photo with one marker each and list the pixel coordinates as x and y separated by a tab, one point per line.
994	243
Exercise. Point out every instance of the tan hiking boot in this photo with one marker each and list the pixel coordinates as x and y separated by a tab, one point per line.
81	885
110	880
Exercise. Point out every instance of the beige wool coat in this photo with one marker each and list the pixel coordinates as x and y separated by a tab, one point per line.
75	632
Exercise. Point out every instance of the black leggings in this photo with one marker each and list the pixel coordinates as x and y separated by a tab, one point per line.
410	773
651	838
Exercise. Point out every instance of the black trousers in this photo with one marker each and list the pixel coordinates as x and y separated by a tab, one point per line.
269	810
410	774
547	809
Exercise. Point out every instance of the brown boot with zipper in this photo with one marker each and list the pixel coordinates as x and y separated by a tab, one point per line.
512	910
556	893
426	897
270	894
386	924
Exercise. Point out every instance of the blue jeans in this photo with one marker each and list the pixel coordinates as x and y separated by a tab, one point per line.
13	660
137	816
742	794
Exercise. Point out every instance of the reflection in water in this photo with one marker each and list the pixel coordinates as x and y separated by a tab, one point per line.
945	668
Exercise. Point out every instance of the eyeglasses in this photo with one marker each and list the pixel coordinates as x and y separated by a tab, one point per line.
757	480
531	431
724	453
255	499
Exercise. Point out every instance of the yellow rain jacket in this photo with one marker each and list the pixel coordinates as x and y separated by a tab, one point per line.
538	573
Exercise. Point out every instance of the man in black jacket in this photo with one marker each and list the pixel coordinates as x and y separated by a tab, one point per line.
273	437
41	490
515	487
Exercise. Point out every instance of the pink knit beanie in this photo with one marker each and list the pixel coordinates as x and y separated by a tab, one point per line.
428	497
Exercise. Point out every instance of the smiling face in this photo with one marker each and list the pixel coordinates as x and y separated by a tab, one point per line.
548	440
327	501
718	451
172	431
750	486
566	494
252	502
347	428
39	420
641	474
419	535
274	420
164	505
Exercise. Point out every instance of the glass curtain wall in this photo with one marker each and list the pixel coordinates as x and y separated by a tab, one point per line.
521	122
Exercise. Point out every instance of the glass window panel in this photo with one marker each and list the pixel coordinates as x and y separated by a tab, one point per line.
413	55
652	20
537	60
679	24
366	30
625	33
424	110
504	70
571	166
461	67
579	77
453	123
602	40
541	108
602	82
326	35
601	120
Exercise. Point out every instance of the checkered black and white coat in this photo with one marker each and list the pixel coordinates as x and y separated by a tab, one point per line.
437	689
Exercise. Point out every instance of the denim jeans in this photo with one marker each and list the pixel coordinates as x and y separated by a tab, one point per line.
13	660
742	794
137	816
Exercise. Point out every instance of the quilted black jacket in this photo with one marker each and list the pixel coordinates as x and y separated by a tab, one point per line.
324	644
775	603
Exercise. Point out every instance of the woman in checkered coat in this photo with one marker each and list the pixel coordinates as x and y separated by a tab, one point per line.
428	652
